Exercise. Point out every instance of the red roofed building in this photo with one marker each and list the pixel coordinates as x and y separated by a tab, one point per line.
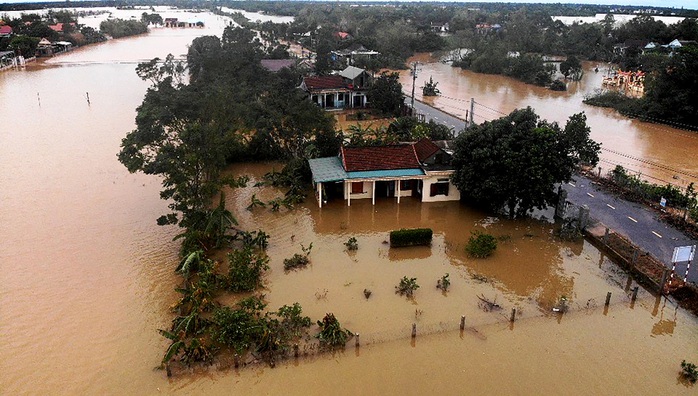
370	158
346	90
5	30
418	170
60	26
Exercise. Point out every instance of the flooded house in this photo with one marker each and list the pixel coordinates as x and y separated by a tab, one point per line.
420	170
344	90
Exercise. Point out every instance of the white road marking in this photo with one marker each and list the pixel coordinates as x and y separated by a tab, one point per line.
632	219
571	184
656	234
589	194
610	206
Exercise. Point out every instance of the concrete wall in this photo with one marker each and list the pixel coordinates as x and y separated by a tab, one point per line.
453	193
367	191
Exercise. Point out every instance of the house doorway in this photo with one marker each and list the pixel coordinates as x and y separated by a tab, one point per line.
385	189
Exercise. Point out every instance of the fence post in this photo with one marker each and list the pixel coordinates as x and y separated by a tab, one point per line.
462	322
414	330
608	298
513	315
583	217
561	200
665	275
636	255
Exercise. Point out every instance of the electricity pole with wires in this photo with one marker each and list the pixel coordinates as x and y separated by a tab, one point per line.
414	81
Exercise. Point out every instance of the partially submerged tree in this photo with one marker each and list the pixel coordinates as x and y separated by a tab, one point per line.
515	162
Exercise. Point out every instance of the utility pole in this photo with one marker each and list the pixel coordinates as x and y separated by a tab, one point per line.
414	80
472	111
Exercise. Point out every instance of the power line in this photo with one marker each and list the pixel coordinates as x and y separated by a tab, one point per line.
491	109
668	168
643	175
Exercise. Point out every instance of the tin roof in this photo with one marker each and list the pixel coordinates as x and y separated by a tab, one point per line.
327	169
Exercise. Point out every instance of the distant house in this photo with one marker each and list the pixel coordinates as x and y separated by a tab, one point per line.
420	170
486	28
676	44
328	92
359	81
439	27
342	35
171	22
345	90
621	49
60	27
5	31
349	55
44	48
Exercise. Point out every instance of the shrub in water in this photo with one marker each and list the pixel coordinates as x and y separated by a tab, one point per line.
407	286
411	237
481	245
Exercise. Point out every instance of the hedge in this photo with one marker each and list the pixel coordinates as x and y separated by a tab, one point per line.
410	237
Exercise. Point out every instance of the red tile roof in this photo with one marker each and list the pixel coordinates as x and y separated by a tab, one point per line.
356	159
425	148
4	29
325	82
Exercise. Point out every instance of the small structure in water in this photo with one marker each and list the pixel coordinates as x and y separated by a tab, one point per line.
430	89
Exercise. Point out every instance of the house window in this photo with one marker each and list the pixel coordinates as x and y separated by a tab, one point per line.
357	188
439	188
405	185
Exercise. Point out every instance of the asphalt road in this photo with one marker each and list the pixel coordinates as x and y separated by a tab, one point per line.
634	221
638	223
431	113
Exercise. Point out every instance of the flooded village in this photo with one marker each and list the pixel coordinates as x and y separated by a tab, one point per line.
89	276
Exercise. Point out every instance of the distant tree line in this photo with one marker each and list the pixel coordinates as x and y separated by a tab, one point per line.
29	29
118	28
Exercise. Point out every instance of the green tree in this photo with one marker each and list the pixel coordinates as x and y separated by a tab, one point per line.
515	162
24	45
386	95
571	67
670	94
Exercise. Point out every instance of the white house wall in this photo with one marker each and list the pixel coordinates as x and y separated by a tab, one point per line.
453	193
367	190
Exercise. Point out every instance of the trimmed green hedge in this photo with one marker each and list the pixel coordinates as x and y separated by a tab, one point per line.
411	237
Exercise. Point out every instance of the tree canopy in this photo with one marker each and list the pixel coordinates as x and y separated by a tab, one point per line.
231	110
386	94
515	162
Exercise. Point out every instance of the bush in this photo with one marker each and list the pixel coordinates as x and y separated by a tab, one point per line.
411	237
443	283
407	286
689	371
331	332
239	328
481	245
245	270
352	244
298	260
558	85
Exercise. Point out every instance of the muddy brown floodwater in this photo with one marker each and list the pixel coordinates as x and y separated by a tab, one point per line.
87	277
661	153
